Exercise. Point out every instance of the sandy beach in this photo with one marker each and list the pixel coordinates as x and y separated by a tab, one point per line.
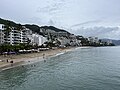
29	58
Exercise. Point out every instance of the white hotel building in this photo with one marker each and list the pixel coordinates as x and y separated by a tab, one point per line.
1	34
20	36
38	39
16	36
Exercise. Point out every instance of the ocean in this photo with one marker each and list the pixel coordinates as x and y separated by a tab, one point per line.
92	68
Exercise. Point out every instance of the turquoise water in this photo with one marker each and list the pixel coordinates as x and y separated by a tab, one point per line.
81	69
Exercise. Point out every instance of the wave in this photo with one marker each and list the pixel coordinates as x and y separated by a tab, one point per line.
59	53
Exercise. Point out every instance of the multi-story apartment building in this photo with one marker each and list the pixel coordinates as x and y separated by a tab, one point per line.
1	34
26	35
93	39
14	36
38	39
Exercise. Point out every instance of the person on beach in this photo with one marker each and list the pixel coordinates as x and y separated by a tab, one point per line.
11	63
7	60
43	56
44	60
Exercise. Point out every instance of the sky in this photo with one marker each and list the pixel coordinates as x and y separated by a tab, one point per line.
83	17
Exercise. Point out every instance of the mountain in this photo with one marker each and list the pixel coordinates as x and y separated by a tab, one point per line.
54	29
9	23
116	42
33	27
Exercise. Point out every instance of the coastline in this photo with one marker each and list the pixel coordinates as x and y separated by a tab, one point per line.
22	59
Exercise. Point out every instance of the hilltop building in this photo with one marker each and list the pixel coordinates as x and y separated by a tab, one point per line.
50	32
93	39
64	41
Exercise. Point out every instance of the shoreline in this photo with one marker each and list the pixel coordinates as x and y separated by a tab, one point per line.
24	59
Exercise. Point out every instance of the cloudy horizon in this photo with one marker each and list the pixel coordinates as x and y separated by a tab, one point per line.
72	15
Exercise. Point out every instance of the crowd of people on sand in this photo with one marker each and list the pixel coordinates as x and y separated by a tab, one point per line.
11	61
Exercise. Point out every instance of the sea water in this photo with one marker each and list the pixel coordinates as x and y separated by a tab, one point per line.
93	68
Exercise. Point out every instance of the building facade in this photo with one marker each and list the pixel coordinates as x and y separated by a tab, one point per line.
14	36
1	33
93	39
38	39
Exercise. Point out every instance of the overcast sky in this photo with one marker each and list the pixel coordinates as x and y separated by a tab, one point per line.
70	14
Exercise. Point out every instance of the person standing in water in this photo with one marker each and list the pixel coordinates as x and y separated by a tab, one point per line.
44	57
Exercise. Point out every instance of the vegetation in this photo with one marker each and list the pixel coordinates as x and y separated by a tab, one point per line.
34	28
54	29
9	23
14	48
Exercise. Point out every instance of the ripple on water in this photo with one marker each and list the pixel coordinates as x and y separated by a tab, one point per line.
81	69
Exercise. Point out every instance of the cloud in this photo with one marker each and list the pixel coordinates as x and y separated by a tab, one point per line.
48	9
101	32
53	7
86	23
71	14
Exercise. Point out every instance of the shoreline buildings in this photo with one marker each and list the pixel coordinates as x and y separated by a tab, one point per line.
14	36
35	35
